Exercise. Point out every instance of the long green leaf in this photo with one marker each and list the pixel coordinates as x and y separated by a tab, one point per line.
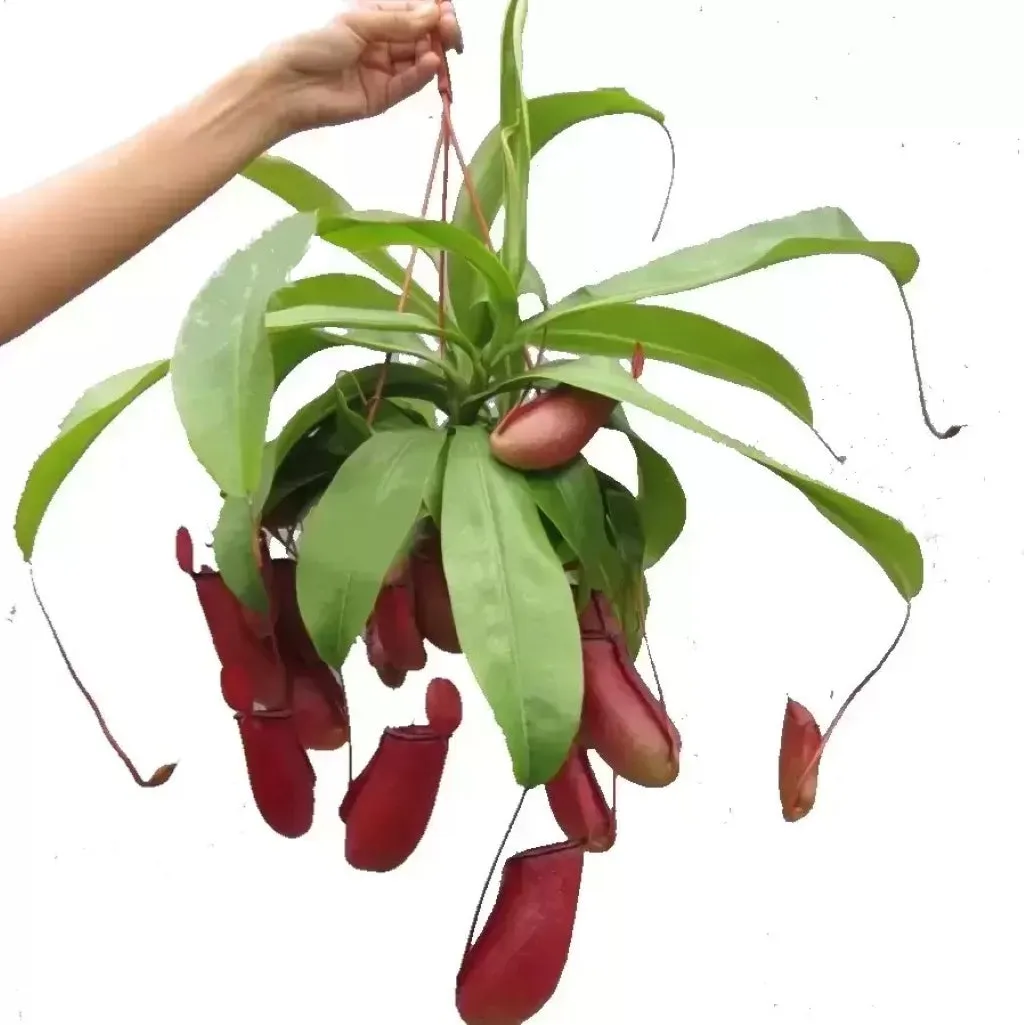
661	501
222	371
308	467
402	381
355	318
366	229
531	283
233	540
821	232
515	140
513	361
305	191
355	531
513	607
571	499
885	539
88	418
292	347
625	525
335	290
676	336
296	441
549	116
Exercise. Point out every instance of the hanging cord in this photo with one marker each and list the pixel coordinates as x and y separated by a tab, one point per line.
447	142
403	299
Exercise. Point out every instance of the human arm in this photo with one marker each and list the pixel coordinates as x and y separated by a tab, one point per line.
60	237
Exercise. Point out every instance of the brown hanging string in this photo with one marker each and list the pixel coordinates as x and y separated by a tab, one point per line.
447	143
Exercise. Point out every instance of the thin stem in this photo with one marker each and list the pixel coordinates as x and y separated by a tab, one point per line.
949	432
849	701
490	874
163	774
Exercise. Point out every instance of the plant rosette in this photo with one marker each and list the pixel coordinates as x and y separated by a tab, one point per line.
439	498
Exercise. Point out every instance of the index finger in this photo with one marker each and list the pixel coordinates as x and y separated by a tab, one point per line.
448	24
448	29
392	22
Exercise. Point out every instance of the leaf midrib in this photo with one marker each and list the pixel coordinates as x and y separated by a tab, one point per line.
483	472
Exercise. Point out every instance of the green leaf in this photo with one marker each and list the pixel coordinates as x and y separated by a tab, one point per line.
515	140
425	411
233	548
352	536
532	283
222	371
631	608
571	499
513	361
661	501
631	598
313	426
821	232
88	418
335	290
548	116
292	347
306	192
364	230
350	427
310	462
433	494
402	381
289	349
676	336
885	539
355	318
394	415
624	520
513	607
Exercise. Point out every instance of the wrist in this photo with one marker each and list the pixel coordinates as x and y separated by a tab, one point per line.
248	112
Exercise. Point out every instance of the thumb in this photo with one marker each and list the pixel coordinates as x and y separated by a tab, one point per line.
394	26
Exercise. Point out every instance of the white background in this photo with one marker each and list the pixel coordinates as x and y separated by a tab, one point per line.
899	898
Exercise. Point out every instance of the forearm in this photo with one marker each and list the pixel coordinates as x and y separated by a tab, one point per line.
62	236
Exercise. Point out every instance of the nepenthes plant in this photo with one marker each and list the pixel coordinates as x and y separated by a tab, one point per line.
439	497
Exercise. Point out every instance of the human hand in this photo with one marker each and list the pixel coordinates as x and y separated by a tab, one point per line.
362	63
